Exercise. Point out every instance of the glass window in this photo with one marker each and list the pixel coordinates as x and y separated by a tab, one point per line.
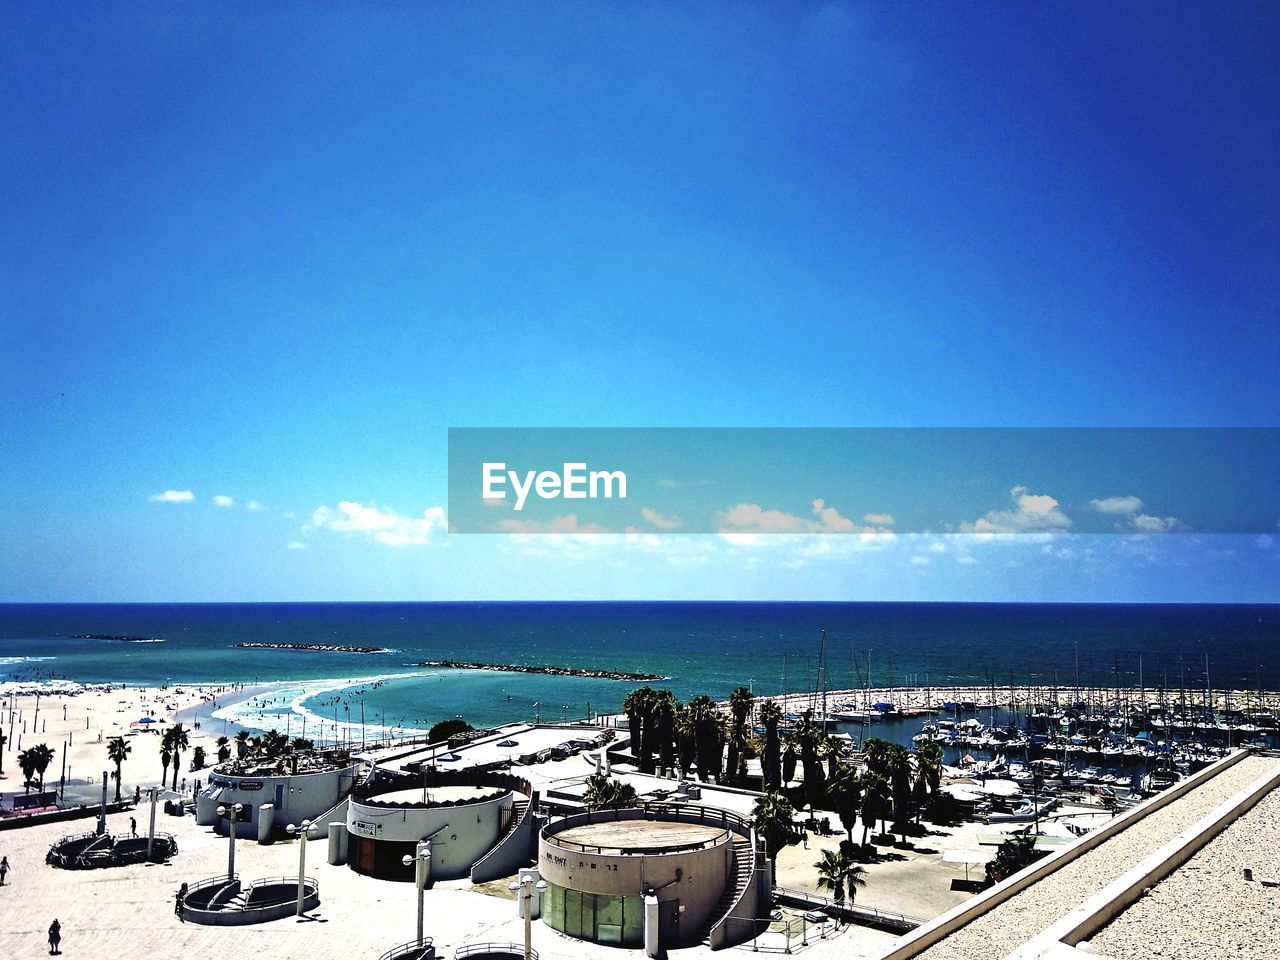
553	906
573	916
608	918
632	920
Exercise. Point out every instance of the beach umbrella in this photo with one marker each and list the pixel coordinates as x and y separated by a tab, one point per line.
147	720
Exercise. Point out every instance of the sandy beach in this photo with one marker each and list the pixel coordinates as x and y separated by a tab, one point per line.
77	722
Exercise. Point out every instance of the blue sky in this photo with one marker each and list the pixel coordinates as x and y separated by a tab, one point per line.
274	254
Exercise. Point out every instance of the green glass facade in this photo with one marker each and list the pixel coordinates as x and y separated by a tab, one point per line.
597	917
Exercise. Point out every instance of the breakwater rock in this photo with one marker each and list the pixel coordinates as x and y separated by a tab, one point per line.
549	671
322	647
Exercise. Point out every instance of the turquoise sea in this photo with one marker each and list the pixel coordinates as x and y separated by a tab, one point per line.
702	647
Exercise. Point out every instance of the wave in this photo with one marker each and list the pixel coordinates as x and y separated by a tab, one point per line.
284	707
10	661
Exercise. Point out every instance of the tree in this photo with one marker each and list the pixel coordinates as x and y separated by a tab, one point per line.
686	740
197	758
117	752
900	775
27	764
844	789
665	707
242	743
444	730
815	777
708	736
740	703
839	873
1013	855
166	756
875	794
41	757
771	716
179	740
638	706
774	818
224	749
608	793
301	743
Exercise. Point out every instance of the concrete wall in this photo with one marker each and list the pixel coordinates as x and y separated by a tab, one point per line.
513	851
703	876
304	796
460	834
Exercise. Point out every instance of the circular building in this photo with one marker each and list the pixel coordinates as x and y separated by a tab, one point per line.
652	877
462	823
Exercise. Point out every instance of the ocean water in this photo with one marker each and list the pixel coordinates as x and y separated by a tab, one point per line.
701	647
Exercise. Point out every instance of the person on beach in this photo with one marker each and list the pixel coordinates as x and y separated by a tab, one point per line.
179	899
4	869
55	936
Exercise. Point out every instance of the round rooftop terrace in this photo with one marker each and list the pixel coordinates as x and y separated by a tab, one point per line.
638	837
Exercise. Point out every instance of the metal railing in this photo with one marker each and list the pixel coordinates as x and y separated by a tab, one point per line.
853	911
489	949
410	949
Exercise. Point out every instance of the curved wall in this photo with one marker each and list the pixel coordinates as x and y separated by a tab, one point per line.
460	834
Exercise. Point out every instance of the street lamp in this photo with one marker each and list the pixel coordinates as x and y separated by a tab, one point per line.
232	814
300	832
527	886
419	860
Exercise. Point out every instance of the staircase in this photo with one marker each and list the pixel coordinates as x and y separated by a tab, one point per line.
743	865
518	807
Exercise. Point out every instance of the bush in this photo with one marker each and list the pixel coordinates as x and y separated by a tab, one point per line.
445	729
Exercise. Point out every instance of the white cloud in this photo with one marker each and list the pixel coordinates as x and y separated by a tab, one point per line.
222	500
1117	505
1145	523
1033	513
1264	541
661	521
966	559
878	519
384	526
173	496
254	505
749	518
567	524
297	545
919	560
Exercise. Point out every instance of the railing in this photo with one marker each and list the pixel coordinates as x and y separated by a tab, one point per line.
729	823
718	839
871	916
411	949
309	886
490	949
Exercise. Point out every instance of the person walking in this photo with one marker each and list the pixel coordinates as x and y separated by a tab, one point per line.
179	899
55	937
4	869
133	826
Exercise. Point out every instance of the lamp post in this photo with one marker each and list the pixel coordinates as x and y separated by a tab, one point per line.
232	814
300	831
419	860
526	886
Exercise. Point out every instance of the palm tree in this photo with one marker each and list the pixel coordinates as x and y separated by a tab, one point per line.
224	749
117	752
166	756
771	716
664	707
27	764
815	778
42	756
845	790
638	706
300	743
242	743
875	793
740	703
900	776
708	736
840	874
179	741
608	793
774	818
686	739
